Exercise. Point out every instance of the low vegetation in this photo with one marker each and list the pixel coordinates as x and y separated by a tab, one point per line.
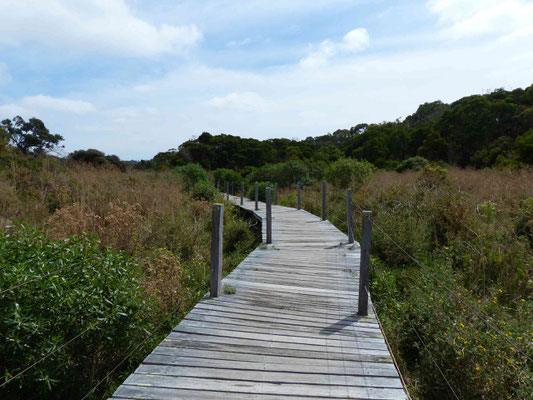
452	274
102	264
99	255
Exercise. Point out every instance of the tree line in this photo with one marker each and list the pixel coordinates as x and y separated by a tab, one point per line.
490	130
494	129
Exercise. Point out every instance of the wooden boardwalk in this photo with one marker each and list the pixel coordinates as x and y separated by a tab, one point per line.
289	332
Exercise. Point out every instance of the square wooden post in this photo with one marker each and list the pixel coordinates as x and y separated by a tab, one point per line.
364	270
256	196
298	196
268	216
349	216
324	213
216	249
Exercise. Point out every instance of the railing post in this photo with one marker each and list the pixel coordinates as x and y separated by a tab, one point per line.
268	184
256	196
269	216
276	194
299	196
364	270
216	249
324	213
349	217
242	193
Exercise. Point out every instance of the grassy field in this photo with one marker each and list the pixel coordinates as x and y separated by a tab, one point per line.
103	263
452	275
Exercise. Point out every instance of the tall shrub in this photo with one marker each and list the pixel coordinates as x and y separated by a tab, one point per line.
348	172
83	308
192	174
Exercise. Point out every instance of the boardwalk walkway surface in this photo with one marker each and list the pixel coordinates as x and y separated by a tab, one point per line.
289	332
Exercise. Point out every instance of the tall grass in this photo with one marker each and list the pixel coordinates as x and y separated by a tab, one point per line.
145	223
469	292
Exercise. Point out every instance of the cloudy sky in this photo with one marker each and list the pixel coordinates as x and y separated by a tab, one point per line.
135	77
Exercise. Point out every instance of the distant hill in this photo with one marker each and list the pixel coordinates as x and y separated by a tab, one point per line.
494	129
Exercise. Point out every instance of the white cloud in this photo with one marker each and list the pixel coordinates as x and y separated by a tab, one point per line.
96	25
12	110
5	77
243	101
35	105
474	18
240	43
354	41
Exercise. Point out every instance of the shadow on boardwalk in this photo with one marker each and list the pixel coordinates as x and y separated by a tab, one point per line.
289	332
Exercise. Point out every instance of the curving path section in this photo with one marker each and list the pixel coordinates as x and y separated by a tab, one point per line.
290	331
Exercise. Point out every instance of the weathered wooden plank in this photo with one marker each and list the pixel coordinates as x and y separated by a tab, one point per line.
219	371
249	348
213	359
332	342
289	332
257	387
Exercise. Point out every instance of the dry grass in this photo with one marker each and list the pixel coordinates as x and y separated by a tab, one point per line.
470	230
147	214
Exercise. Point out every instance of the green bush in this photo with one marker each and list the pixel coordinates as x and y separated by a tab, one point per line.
416	163
474	253
203	190
261	191
222	175
524	147
348	172
78	288
285	174
192	174
292	172
524	223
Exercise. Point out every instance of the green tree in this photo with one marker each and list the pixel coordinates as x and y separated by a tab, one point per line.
426	114
347	172
192	173
31	136
524	147
89	156
434	147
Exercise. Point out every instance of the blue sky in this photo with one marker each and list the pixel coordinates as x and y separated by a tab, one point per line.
137	77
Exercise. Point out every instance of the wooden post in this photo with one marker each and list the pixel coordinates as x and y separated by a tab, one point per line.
216	249
324	213
299	196
256	196
268	184
276	194
269	216
364	270
349	221
242	193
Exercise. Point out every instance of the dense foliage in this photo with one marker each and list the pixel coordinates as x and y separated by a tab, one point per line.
73	286
473	246
97	158
30	137
104	240
480	130
125	251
